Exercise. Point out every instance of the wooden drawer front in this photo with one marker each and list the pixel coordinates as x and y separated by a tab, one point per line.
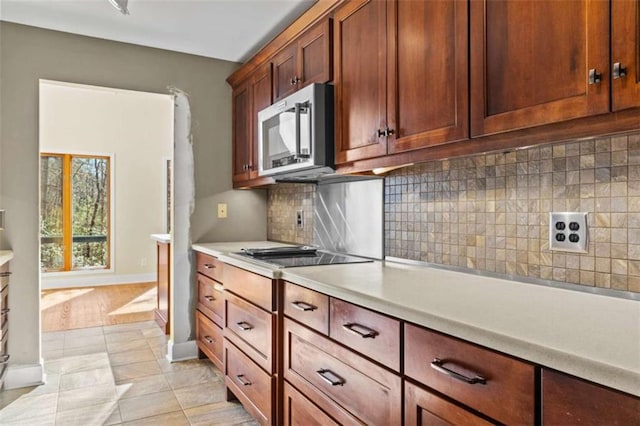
252	386
253	287
567	400
211	298
425	408
508	393
251	329
209	339
372	334
363	389
299	411
307	306
209	266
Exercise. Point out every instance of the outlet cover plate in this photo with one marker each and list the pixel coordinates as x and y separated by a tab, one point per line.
568	232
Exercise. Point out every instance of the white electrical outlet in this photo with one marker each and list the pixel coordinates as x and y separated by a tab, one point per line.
568	232
143	261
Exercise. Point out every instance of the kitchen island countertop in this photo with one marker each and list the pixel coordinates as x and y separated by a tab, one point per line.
591	336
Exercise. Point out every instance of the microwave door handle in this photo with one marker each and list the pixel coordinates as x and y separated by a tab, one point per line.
298	107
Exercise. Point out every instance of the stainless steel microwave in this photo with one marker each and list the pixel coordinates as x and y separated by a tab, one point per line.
296	134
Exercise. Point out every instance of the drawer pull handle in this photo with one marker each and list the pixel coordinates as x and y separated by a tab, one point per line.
330	377
244	326
4	359
209	266
303	306
5	274
361	330
209	340
438	365
242	380
4	311
210	298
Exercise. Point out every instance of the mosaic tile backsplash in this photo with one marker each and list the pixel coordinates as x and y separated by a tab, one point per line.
491	212
284	200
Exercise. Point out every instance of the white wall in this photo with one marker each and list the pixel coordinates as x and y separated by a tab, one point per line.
136	128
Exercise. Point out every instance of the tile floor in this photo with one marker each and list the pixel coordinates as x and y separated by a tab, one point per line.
118	375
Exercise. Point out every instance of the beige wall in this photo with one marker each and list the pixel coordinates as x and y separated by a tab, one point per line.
29	54
136	129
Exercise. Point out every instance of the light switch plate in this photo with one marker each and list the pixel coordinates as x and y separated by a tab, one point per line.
222	210
568	232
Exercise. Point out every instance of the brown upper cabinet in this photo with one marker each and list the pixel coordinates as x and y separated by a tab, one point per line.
249	98
406	88
306	60
241	131
537	62
625	54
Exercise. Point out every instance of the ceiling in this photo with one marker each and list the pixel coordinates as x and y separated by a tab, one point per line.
226	29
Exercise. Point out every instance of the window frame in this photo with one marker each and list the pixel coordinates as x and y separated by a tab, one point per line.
67	192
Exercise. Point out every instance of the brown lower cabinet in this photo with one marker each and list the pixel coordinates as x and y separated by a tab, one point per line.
567	400
423	407
209	339
250	384
299	411
161	313
345	385
286	358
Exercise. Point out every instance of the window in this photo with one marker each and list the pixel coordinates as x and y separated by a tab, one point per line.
74	208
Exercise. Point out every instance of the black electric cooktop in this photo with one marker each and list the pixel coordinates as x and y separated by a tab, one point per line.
289	257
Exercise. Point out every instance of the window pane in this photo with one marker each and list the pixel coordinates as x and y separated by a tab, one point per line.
51	255
90	212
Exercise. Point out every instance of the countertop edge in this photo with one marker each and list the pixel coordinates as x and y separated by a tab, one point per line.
161	238
5	256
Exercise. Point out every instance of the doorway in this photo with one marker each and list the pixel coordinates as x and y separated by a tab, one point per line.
104	190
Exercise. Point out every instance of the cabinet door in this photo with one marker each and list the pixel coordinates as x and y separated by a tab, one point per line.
285	72
428	73
423	408
625	54
315	61
299	411
360	59
261	97
531	60
570	401
241	132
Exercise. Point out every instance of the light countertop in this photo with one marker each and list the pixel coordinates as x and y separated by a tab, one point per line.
5	256
591	336
161	238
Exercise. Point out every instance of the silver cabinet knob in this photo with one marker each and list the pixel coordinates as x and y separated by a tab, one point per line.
594	76
618	71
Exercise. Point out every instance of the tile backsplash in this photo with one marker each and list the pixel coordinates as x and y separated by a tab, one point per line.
491	212
284	201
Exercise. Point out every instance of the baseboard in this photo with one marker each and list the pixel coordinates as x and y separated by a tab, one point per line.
182	351
49	283
23	375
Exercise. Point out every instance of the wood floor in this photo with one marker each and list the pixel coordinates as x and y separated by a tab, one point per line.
71	308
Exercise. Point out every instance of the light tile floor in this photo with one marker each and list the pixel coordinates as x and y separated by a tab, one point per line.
118	375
